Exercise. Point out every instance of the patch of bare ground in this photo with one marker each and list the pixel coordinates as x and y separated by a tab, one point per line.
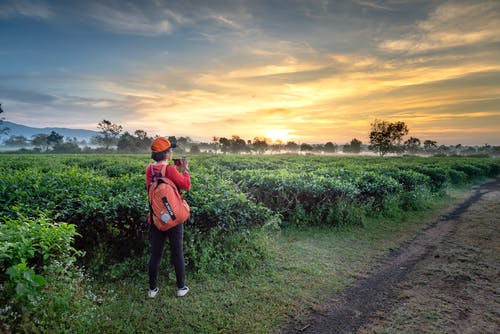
445	280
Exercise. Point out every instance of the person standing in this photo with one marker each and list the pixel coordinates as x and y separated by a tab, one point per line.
161	153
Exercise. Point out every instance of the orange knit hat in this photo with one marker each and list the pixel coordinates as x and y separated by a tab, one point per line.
161	144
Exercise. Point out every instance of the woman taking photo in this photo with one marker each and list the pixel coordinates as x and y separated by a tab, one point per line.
162	153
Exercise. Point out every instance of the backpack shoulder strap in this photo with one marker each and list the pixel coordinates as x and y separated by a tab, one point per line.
163	172
159	178
156	175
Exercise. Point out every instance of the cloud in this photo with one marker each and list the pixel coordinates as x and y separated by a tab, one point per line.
372	4
26	96
273	69
452	24
355	62
230	24
95	103
33	9
225	21
157	18
129	18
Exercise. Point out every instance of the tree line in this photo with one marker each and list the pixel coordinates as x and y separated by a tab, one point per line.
384	138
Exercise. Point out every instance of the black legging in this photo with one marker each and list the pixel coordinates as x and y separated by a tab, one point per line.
157	240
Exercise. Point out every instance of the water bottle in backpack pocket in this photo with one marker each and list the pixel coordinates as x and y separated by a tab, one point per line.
164	217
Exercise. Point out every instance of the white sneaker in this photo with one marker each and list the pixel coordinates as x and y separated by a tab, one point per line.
152	293
182	292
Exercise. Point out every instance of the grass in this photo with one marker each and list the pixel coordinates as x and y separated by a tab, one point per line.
307	265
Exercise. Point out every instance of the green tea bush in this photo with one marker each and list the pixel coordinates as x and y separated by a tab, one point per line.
221	233
104	210
301	198
456	177
375	188
31	251
437	176
471	171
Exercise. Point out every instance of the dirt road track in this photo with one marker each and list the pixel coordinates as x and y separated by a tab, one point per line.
370	305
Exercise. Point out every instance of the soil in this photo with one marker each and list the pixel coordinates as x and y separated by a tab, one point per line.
445	280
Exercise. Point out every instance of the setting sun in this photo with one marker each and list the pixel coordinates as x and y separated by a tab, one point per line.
278	135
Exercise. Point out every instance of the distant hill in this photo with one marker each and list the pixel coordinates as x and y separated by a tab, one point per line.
27	131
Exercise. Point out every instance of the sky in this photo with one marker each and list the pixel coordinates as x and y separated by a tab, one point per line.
307	70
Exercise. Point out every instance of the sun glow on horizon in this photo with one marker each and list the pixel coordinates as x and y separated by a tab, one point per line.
281	135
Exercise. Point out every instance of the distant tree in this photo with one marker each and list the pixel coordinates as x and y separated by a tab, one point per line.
67	147
215	143
443	150
134	144
430	145
306	147
318	148
277	146
412	145
292	146
16	141
71	140
172	140
386	137
143	141
260	144
495	150
486	149
330	147
54	139
142	135
183	141
40	140
126	143
469	150
211	146
237	144
109	133
353	147
356	145
195	149
225	144
457	148
3	130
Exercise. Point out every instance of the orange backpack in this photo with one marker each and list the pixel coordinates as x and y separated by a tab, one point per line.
166	205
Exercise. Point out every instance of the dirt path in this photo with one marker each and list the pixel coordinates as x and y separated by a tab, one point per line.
445	280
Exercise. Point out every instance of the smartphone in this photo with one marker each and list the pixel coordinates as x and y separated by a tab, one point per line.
178	162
